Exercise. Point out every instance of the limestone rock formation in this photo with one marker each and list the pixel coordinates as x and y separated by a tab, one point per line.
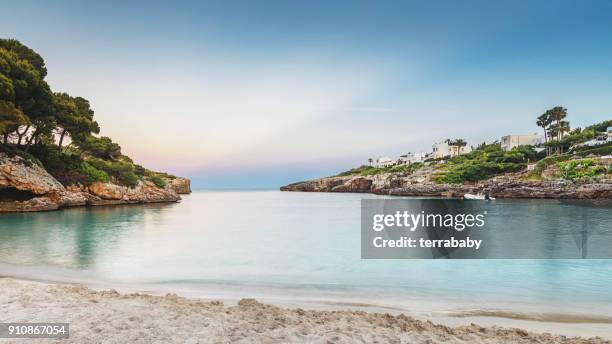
179	185
501	187
25	186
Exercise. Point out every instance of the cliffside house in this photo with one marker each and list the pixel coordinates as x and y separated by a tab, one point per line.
443	149
512	141
384	162
411	158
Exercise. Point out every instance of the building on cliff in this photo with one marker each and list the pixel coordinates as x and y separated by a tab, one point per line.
509	142
411	158
445	148
382	162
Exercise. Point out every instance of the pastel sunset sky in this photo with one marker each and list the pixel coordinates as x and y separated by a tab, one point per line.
263	93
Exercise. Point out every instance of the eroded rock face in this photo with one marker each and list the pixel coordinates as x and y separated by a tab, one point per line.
179	185
28	187
501	187
21	175
143	192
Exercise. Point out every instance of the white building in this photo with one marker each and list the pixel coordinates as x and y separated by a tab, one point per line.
442	149
512	141
384	162
411	158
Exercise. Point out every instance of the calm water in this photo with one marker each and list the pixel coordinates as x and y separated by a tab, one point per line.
289	246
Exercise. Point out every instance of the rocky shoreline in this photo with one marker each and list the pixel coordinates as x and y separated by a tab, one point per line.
26	187
507	186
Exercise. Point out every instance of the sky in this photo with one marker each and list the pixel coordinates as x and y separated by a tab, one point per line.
258	94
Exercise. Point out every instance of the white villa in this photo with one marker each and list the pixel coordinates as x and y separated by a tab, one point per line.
442	149
512	141
411	158
382	162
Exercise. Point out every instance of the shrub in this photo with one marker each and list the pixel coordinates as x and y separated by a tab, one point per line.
580	169
473	171
544	163
102	147
604	149
12	151
371	170
158	181
122	171
483	163
93	174
139	170
66	166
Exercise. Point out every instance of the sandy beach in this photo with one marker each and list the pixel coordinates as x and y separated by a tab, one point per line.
111	317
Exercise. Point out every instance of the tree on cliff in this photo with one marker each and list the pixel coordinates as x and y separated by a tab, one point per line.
22	85
25	53
552	121
56	130
101	147
10	118
557	115
74	118
544	122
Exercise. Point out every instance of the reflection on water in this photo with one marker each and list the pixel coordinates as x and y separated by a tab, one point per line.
293	240
71	238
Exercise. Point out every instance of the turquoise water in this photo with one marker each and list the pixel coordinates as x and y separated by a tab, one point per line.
288	246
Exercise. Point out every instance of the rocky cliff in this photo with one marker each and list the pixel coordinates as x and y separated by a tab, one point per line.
25	186
510	186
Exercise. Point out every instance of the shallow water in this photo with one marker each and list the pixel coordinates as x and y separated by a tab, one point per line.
290	246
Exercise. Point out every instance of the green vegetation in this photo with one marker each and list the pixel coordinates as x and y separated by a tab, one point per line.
584	152
580	169
122	170
54	129
483	163
158	181
370	170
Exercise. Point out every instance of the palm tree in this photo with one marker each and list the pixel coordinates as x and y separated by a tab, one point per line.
564	127
544	121
457	144
558	114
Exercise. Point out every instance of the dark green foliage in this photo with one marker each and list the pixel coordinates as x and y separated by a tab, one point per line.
33	118
11	151
473	171
483	163
580	169
123	171
584	152
370	170
158	181
600	127
25	53
67	166
139	170
93	174
22	86
601	150
102	147
74	118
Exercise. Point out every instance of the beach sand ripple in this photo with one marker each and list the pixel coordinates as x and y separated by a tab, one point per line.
112	317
